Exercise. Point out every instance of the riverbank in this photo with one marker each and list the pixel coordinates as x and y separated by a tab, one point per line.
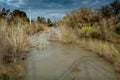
102	48
95	30
59	61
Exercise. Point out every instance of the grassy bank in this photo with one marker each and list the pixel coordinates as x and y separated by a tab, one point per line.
13	47
13	40
95	30
103	48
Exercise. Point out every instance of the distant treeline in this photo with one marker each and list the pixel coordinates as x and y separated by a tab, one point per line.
13	16
17	16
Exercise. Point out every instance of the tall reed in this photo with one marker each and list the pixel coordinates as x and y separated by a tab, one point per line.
13	40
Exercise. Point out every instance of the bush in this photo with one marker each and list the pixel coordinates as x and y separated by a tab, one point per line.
103	49
117	29
13	44
67	36
86	31
13	40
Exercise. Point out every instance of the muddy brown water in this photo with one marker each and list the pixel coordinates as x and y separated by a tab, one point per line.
58	61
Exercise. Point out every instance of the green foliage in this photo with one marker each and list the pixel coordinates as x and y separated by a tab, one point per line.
87	30
18	14
117	29
112	9
106	11
68	36
115	6
13	16
50	24
4	76
102	23
96	35
38	28
41	19
4	13
49	21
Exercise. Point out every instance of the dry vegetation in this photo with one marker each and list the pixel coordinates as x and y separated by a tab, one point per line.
95	30
13	41
14	32
13	47
67	36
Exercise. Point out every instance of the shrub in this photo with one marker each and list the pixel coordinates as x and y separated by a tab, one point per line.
13	40
12	72
103	49
67	36
86	31
117	29
37	28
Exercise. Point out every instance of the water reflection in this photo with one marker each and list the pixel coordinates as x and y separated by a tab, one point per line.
58	61
64	62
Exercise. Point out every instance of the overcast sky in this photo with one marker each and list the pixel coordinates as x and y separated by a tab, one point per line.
51	8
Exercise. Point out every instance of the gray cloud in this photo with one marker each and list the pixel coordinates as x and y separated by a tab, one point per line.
51	8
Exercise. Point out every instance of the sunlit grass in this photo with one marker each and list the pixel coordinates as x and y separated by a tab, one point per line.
104	49
67	36
15	40
13	45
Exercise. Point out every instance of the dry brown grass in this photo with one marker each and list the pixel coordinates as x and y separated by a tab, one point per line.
13	41
104	49
117	64
67	35
13	45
